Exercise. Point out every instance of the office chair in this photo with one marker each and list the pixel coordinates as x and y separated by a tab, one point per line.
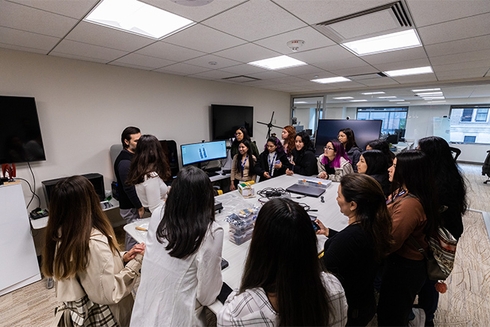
455	152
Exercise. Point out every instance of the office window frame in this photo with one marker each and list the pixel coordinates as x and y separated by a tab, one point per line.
394	123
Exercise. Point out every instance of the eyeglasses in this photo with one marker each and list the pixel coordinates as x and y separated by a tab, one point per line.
327	148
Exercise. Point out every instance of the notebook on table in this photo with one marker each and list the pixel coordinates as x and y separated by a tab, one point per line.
306	190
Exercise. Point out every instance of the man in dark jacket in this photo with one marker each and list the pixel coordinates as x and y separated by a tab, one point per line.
129	204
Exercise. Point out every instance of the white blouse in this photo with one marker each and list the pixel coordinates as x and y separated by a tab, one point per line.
172	291
152	192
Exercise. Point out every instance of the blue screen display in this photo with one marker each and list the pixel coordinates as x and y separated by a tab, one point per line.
202	152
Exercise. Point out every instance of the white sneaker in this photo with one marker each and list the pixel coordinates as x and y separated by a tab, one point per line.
419	320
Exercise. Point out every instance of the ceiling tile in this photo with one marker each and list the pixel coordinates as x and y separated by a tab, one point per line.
429	12
415	78
169	51
34	20
455	29
395	56
312	38
461	58
243	69
72	49
463	65
459	46
403	64
247	53
460	74
206	62
143	62
182	69
107	37
254	20
324	55
27	40
71	8
203	38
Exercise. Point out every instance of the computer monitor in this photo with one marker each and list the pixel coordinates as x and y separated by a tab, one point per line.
197	153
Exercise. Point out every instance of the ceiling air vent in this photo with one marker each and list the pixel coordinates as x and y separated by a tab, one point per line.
241	79
389	18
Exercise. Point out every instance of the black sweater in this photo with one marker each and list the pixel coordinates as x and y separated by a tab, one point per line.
305	162
127	193
262	165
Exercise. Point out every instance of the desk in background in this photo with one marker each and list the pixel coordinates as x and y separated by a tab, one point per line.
328	212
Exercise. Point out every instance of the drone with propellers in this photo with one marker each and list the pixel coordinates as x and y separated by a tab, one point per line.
269	125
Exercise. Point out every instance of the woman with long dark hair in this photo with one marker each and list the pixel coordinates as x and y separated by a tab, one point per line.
273	161
181	272
282	284
451	190
304	160
241	134
374	163
93	280
354	254
148	172
243	165
414	211
382	146
333	163
348	139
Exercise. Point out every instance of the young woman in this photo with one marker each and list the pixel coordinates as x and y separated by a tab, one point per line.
241	134
282	284
354	253
382	146
93	280
304	160
288	136
451	190
347	138
181	272
414	214
273	161
334	162
148	172
374	163
243	165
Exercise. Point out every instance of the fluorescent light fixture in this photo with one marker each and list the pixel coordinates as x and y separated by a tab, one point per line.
137	17
429	94
330	80
426	90
402	102
343	98
358	100
300	102
372	93
409	71
434	98
384	43
396	100
277	63
437	101
388	97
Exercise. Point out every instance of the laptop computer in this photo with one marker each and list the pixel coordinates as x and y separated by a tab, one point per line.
306	190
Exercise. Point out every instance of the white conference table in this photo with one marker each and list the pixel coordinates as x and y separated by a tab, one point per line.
328	212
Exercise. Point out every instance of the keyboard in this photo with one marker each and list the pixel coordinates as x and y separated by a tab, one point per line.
211	173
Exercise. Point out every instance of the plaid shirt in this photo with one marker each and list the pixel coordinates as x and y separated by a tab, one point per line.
252	307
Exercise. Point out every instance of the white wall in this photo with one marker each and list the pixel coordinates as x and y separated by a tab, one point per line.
83	108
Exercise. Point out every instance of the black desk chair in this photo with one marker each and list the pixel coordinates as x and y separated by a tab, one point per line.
455	152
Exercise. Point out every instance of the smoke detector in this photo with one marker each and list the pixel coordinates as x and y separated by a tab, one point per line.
295	44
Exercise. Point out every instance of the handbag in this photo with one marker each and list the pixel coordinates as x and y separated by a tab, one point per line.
440	257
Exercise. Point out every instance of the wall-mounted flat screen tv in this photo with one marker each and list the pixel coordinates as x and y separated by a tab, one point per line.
364	131
225	120
20	133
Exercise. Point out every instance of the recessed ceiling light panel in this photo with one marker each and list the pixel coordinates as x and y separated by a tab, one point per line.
277	63
409	71
331	80
138	18
426	90
373	93
343	98
384	43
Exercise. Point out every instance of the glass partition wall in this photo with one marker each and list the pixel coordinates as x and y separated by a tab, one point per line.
305	112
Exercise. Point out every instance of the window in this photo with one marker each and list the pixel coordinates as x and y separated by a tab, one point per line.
469	124
394	118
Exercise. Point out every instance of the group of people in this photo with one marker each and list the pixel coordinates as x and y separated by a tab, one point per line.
389	201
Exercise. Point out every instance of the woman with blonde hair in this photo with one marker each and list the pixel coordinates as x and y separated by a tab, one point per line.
93	280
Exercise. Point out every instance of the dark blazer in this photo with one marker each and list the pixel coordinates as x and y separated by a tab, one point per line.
305	162
262	165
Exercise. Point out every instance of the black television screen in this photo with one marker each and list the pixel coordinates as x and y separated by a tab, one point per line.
20	133
226	119
196	153
364	131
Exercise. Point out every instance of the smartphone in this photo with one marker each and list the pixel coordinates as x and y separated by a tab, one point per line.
314	224
225	291
224	264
